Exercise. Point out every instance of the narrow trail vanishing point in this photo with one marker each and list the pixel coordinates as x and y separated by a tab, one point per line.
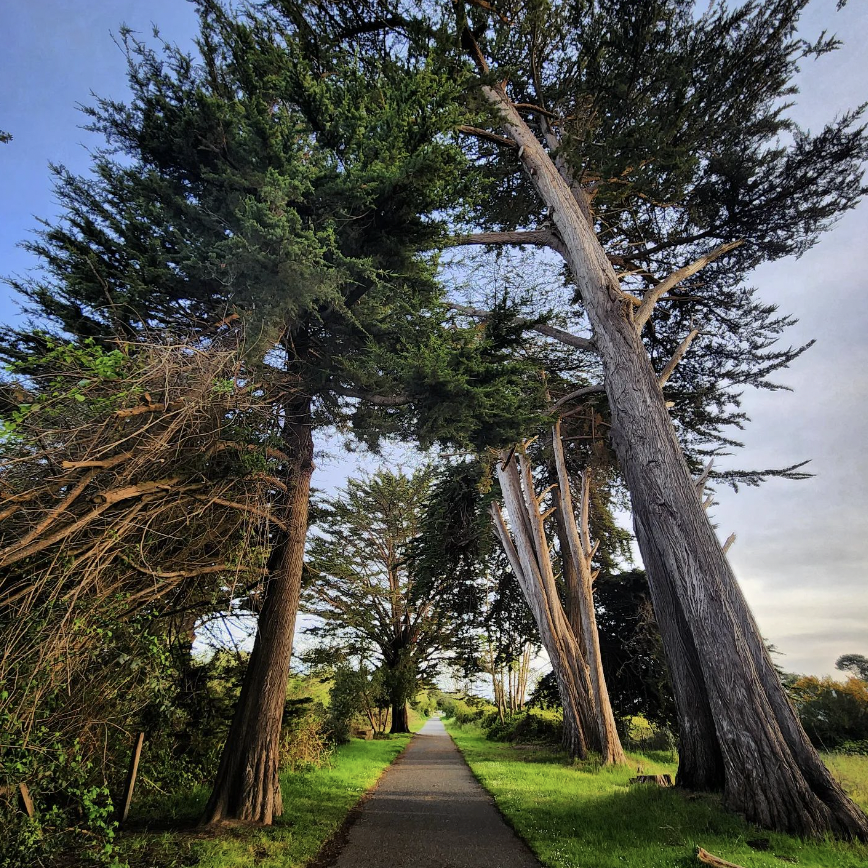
430	812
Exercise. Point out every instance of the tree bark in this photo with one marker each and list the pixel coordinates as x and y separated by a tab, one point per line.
400	717
247	786
772	775
580	552
531	563
700	764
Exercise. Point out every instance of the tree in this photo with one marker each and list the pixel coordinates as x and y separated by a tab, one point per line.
572	643
855	664
362	587
638	137
245	183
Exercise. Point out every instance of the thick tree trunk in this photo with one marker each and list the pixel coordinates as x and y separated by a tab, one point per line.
247	787
772	775
700	764
400	717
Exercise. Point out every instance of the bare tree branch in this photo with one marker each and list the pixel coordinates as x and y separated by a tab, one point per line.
535	237
596	389
480	133
643	314
677	356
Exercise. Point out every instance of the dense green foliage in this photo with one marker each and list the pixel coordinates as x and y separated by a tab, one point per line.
834	713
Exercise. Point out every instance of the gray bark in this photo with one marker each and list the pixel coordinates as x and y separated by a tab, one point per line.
772	775
537	583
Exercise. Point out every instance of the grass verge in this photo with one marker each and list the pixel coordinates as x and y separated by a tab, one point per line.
578	814
315	805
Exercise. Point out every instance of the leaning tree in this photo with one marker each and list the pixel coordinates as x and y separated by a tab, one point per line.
246	184
656	140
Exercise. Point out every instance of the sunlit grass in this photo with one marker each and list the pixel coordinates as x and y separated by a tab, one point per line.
580	815
315	804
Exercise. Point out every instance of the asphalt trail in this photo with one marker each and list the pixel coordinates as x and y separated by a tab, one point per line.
430	812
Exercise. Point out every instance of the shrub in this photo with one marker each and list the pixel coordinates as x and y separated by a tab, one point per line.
305	742
833	713
640	735
533	726
75	813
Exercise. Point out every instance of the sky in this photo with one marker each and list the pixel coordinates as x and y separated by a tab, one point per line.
801	552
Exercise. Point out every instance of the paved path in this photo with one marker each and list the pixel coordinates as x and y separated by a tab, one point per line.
430	812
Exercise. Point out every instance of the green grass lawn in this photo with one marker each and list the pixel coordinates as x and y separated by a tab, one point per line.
582	816
315	804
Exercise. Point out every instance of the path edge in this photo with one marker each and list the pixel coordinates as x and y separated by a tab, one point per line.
333	846
507	822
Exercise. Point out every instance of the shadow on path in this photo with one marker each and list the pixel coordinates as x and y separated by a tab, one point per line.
430	812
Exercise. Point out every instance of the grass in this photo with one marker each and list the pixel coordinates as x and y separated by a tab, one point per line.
582	815
315	804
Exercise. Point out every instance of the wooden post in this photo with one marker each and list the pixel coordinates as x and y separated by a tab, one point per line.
26	800
131	778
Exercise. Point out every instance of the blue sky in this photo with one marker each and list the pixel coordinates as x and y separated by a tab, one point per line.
802	548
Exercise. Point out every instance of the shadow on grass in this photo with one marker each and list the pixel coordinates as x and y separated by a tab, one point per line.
580	814
315	804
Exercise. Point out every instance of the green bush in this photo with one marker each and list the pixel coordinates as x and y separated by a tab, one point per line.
833	713
464	708
305	741
74	814
533	726
641	736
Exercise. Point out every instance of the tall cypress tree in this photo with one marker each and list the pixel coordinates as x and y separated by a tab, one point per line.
655	140
291	190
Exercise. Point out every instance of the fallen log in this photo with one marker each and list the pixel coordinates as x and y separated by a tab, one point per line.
708	859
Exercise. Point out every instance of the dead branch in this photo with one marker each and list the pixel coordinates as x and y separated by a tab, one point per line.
715	861
596	389
643	313
677	356
532	237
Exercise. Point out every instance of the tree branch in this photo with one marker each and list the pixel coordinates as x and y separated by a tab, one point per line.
560	335
535	237
643	314
596	389
677	356
487	135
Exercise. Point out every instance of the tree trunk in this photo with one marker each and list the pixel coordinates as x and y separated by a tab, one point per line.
700	764
247	787
535	576
580	551
772	775
400	717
